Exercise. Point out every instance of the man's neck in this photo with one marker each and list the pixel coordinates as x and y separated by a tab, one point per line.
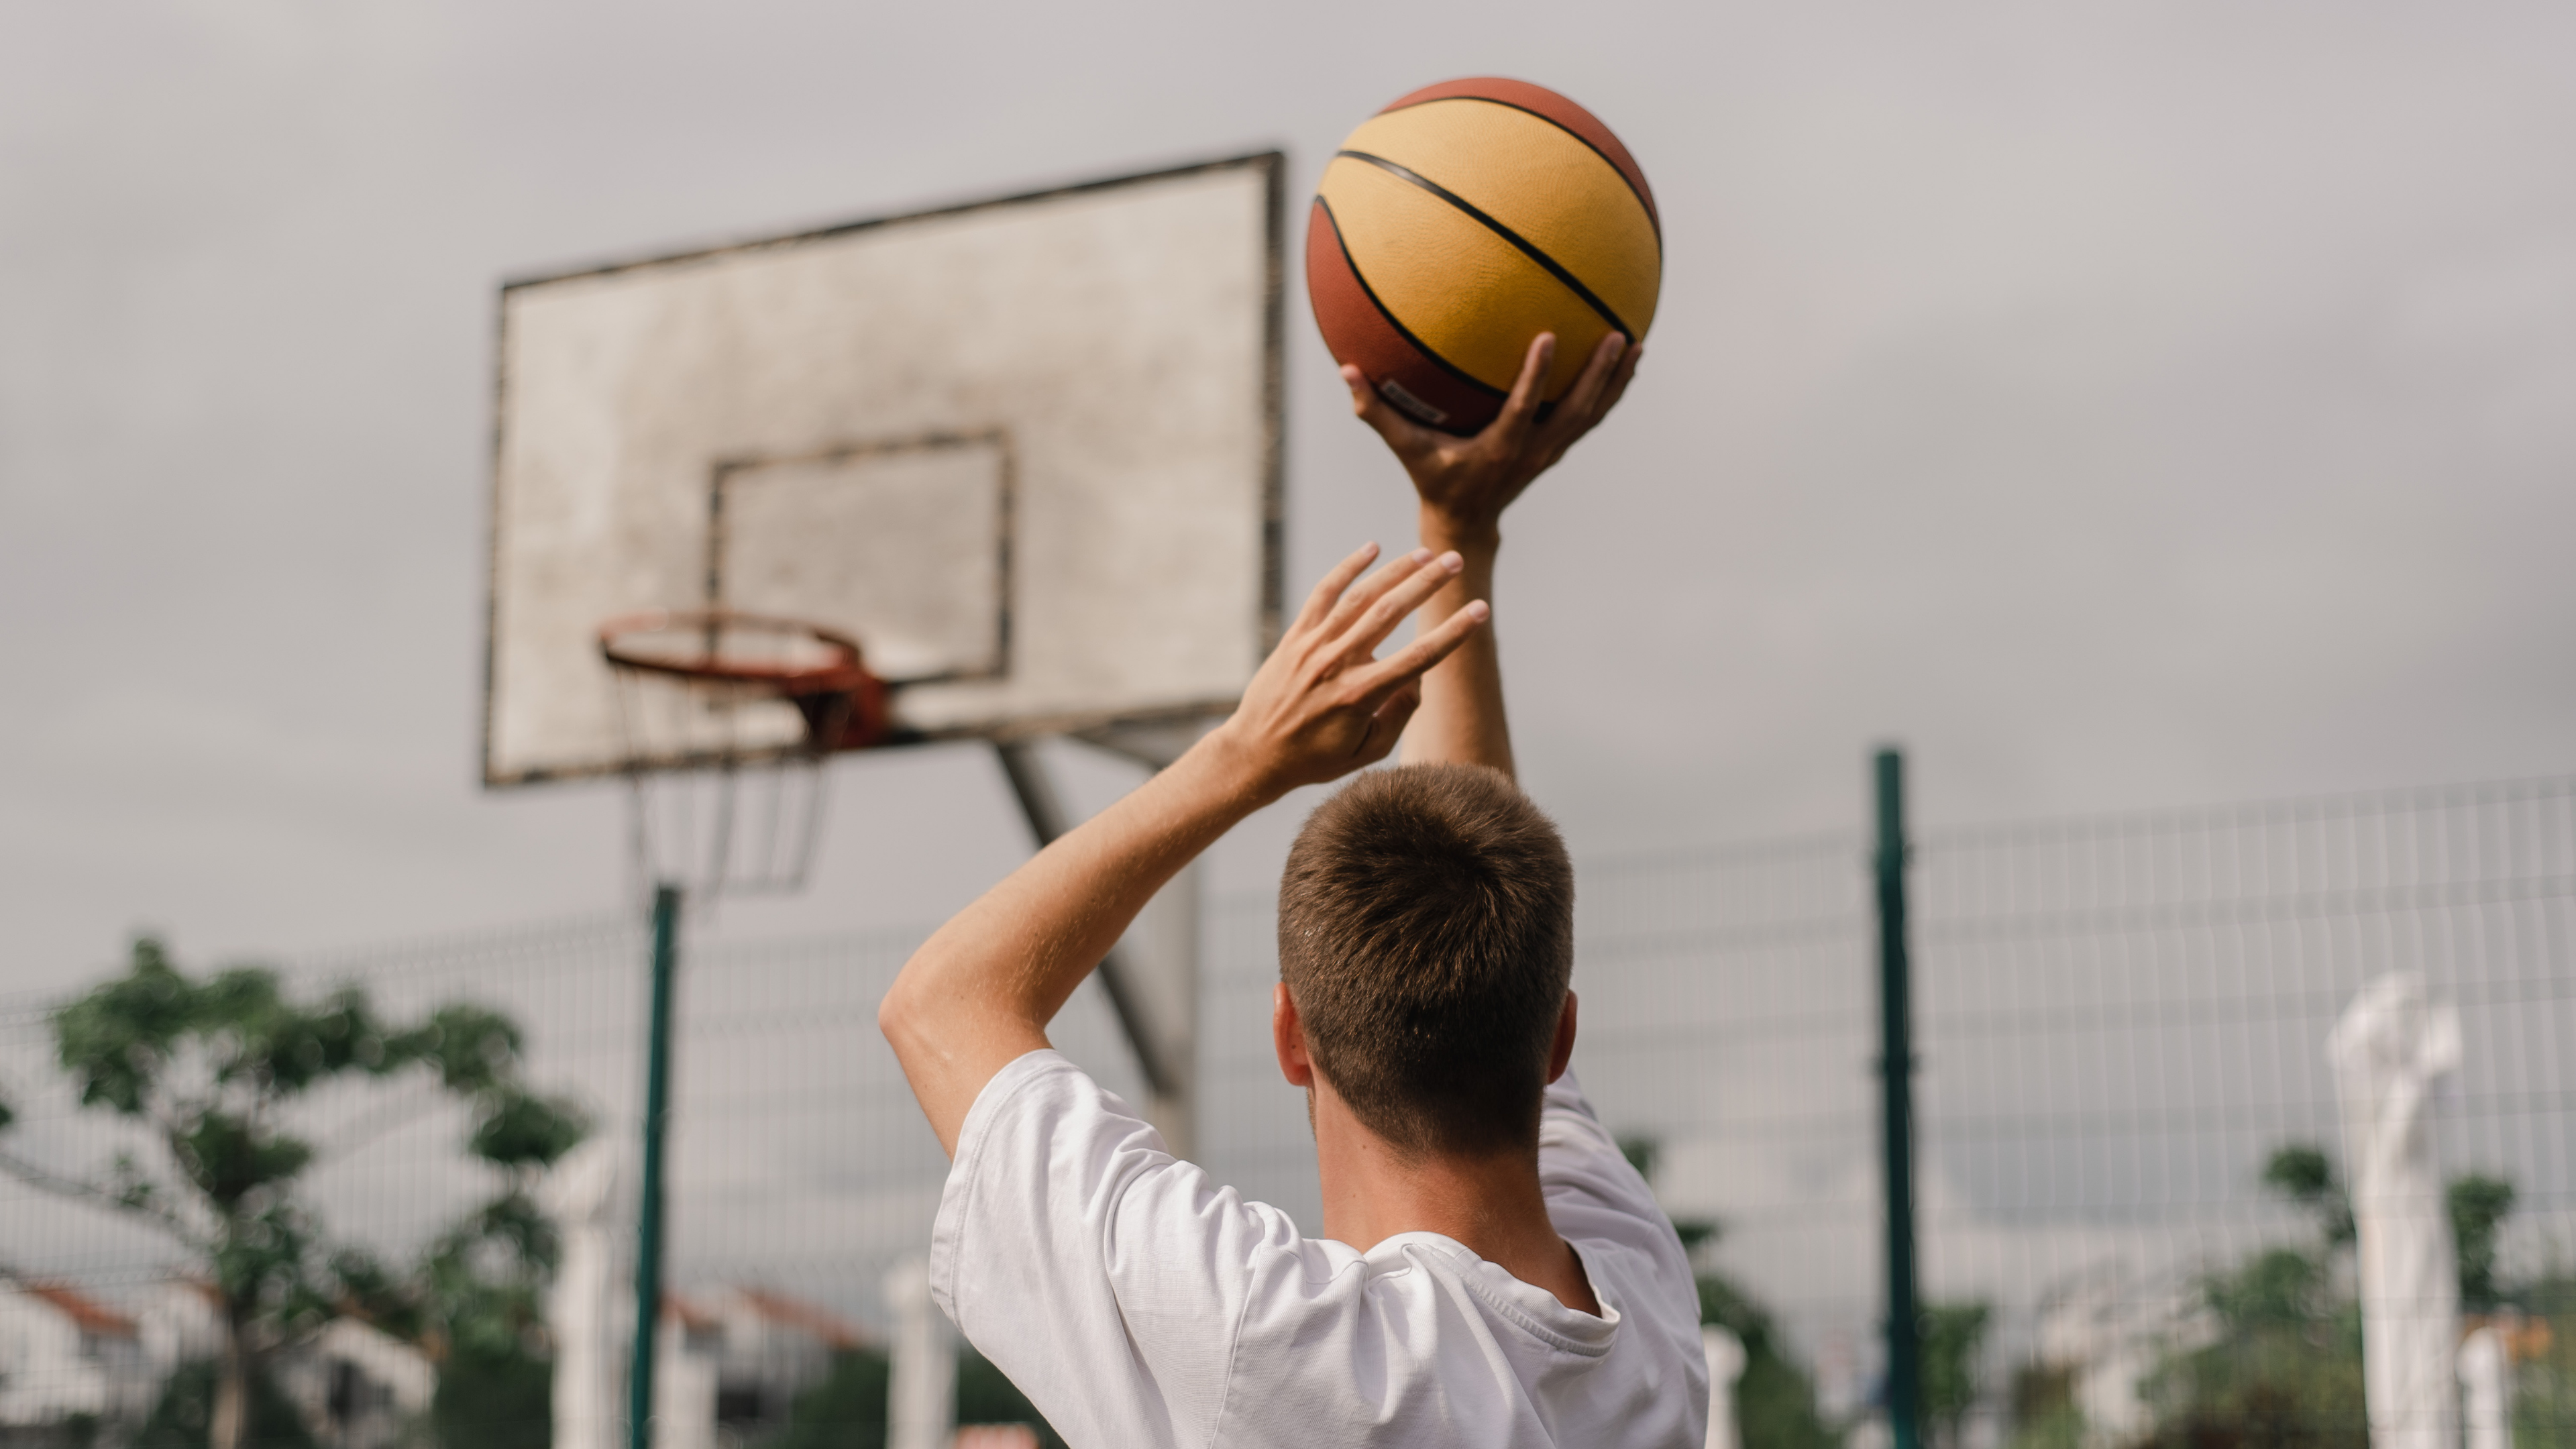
1492	1205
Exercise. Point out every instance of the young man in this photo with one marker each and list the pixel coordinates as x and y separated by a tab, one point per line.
1492	1271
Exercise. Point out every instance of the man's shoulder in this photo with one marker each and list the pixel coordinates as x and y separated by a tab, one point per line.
1420	1340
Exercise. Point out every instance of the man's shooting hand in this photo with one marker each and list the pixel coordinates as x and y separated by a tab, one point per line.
1323	704
1466	483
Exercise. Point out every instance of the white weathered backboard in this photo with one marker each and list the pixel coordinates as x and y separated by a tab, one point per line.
1025	451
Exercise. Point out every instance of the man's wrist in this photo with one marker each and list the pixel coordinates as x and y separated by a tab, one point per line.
1443	530
1227	774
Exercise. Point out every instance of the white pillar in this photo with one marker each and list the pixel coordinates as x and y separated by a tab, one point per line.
2391	1048
684	1384
583	1307
2486	1388
1725	1365
921	1402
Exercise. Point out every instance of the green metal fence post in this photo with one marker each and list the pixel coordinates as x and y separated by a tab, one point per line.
1896	1108
657	1116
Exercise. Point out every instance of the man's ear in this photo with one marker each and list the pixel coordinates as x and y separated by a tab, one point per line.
1563	1051
1288	1038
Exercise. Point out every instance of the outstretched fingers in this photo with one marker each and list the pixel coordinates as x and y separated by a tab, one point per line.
1360	597
1520	410
1379	683
1588	399
1328	590
1386	600
1626	373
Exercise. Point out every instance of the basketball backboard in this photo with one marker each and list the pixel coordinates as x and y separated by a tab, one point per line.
1024	451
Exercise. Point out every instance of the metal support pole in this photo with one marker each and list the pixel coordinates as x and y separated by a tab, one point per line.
657	1119
1896	1108
1167	1078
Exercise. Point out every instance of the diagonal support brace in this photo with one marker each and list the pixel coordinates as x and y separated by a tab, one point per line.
1048	821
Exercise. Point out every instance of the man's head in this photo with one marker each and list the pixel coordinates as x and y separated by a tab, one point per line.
1426	934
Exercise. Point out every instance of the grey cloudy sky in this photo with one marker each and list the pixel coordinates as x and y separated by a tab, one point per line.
2123	405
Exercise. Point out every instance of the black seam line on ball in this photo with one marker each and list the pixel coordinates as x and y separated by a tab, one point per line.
1634	187
1383	310
1506	233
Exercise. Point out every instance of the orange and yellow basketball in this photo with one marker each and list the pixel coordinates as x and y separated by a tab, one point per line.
1464	220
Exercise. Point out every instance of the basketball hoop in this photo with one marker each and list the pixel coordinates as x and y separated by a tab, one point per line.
712	701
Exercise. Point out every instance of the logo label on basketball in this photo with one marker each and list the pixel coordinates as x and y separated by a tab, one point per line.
1423	412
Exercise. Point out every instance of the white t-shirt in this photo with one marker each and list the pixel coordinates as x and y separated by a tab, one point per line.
1138	1304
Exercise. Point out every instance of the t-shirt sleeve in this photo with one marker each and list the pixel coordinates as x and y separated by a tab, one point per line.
1105	1276
1592	1190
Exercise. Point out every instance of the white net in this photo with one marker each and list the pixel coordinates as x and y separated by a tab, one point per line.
725	777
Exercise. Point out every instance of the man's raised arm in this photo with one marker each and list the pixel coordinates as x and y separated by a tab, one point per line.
978	994
1464	485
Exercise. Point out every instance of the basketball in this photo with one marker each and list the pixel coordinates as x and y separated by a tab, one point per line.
1462	221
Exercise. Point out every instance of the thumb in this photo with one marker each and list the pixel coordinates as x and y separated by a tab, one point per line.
1374	410
1400	705
1386	727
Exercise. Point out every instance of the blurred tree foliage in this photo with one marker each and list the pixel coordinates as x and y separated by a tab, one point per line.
2284	1367
847	1410
2280	1361
2544	1384
986	1395
2042	1408
210	1068
1953	1344
2478	1207
186	1411
1775	1400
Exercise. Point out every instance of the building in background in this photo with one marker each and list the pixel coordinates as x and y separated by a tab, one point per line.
773	1348
357	1386
733	1360
67	1358
179	1324
2107	1332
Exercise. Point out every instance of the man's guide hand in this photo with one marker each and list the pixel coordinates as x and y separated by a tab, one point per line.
1323	704
1466	483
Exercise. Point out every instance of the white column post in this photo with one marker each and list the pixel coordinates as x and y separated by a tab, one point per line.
2486	1388
2390	1050
1725	1365
582	1307
921	1402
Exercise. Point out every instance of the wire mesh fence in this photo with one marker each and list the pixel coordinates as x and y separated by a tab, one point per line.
2125	1025
2121	1021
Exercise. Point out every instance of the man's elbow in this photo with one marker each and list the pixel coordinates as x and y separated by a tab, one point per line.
899	1014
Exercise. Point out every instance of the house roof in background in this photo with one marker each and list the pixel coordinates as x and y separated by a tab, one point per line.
836	1332
92	1315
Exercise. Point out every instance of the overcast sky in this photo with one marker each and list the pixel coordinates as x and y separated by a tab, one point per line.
2122	405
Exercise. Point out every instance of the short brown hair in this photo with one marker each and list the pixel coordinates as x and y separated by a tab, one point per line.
1426	932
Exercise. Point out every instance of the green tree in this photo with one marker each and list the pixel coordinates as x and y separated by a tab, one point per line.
2283	1369
1953	1343
186	1410
476	1298
2544	1385
2478	1206
986	1395
847	1410
210	1069
2301	1172
2283	1366
2042	1402
1775	1400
